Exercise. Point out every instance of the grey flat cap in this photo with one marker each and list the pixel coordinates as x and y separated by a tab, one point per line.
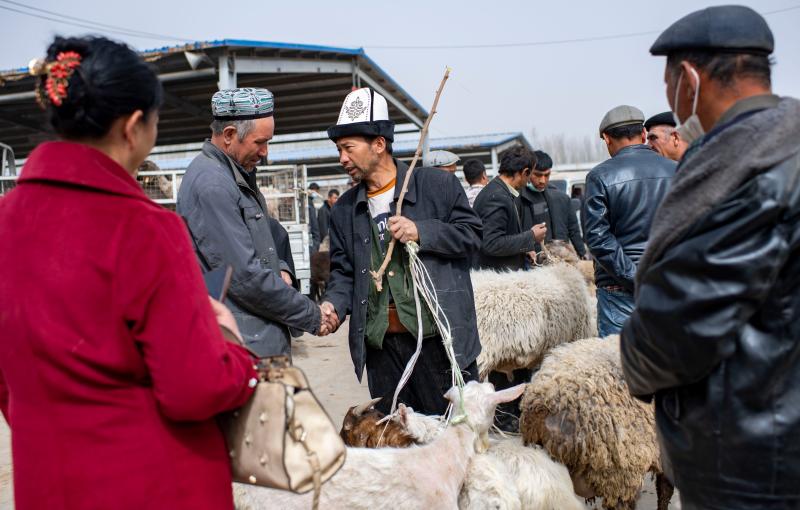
440	158
621	116
724	28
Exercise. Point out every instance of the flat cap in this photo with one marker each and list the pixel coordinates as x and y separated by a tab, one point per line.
440	158
662	119
621	116
242	104
723	28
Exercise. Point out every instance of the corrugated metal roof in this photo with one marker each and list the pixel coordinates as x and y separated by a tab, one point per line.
307	99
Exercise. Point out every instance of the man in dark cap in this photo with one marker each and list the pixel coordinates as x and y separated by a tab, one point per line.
622	194
715	335
663	137
228	219
385	322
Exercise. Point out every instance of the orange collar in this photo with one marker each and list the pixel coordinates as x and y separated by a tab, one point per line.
389	185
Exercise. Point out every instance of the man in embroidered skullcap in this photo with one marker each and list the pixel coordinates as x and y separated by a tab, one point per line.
445	160
228	219
436	215
663	136
714	334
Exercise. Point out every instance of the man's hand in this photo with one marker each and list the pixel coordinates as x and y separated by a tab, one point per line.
286	277
403	229
329	317
225	318
539	231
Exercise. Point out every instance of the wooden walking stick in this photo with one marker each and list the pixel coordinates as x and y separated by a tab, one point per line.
378	275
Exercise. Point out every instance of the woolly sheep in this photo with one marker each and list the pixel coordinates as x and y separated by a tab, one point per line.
563	251
508	476
419	477
578	408
549	305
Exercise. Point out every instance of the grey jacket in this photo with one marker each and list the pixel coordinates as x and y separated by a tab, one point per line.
449	232
230	226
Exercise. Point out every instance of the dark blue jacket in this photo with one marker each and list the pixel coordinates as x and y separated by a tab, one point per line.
622	195
449	232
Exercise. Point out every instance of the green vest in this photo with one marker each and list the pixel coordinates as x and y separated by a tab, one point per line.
397	280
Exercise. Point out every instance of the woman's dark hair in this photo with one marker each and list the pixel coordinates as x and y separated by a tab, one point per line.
110	81
516	159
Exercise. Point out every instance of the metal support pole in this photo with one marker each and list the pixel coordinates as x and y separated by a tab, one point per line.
495	166
227	72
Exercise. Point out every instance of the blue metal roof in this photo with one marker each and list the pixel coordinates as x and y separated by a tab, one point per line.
197	45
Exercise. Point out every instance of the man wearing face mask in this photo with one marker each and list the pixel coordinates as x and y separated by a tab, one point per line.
663	136
227	215
622	194
715	333
544	203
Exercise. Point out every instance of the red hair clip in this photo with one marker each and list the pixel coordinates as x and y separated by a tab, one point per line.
58	73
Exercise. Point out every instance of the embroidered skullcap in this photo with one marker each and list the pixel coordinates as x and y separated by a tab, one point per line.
242	104
364	113
440	158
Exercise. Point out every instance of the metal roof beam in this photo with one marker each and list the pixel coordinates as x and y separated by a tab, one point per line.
187	107
23	121
390	97
256	65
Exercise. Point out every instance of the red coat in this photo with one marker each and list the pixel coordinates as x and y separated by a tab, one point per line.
112	366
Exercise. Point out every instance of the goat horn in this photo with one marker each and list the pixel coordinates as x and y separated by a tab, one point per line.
359	409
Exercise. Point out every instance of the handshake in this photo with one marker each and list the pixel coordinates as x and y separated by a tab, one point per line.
329	319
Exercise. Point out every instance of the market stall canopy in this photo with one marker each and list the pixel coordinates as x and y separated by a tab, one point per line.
309	83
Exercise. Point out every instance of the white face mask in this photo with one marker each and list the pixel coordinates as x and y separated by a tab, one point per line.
690	130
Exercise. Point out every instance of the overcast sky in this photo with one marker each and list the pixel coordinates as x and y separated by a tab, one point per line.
553	88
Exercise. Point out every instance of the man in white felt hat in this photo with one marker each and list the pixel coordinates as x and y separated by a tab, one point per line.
437	216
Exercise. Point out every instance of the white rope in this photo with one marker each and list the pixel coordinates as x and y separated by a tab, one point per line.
423	286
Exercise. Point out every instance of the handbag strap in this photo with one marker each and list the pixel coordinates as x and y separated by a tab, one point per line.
298	433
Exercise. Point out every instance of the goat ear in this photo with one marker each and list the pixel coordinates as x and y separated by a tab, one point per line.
508	394
452	395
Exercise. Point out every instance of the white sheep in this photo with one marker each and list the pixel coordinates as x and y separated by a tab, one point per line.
507	476
549	305
419	477
578	408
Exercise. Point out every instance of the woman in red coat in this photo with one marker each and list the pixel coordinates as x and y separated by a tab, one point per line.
112	365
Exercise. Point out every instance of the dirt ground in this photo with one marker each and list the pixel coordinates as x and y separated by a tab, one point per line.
326	362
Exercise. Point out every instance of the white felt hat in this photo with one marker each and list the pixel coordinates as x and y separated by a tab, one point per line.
365	113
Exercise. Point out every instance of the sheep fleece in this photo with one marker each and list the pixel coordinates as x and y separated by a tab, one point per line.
523	314
578	408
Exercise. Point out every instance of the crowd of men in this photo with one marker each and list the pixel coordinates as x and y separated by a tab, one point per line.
692	224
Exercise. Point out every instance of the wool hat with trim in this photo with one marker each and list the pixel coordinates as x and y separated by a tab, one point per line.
364	113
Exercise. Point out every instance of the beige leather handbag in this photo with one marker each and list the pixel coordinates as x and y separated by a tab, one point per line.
283	438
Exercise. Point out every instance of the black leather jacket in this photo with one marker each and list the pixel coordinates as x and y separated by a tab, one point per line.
716	337
622	195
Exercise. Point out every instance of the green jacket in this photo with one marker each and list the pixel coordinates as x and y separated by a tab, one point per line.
397	281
